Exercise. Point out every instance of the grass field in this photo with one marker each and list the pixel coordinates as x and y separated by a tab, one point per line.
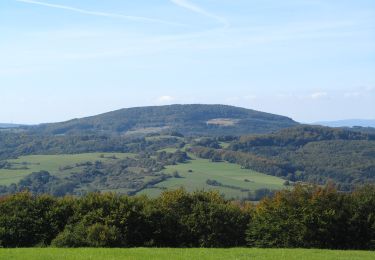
50	163
223	172
193	175
153	253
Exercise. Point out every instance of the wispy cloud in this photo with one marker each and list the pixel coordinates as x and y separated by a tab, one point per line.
318	95
97	13
165	99
197	9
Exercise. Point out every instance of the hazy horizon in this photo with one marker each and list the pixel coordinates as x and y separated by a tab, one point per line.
307	122
308	60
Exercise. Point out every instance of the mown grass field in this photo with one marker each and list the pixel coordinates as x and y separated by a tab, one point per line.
50	163
166	253
223	172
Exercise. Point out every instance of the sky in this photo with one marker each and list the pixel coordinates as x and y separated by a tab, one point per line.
311	60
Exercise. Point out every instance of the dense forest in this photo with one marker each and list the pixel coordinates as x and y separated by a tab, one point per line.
304	217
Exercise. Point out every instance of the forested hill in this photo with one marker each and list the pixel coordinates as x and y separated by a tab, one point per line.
299	136
306	153
196	119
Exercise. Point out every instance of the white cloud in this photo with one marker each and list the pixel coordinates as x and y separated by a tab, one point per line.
197	9
165	99
96	13
318	95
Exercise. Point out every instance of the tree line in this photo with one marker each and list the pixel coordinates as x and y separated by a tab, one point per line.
306	216
15	144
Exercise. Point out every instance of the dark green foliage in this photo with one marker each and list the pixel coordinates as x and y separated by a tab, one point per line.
200	219
307	216
29	221
363	218
208	142
105	221
37	182
172	158
314	217
298	136
41	183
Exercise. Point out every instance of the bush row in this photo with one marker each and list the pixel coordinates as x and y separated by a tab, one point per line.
307	216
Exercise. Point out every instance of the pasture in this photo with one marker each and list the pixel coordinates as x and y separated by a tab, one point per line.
169	253
62	164
232	180
236	181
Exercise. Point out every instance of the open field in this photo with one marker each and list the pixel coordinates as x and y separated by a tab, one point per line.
223	121
25	165
234	182
195	173
158	253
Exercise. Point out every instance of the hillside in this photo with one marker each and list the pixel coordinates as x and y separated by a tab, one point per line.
305	153
189	120
169	148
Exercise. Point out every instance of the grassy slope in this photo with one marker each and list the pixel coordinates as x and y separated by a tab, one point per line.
225	173
51	163
157	253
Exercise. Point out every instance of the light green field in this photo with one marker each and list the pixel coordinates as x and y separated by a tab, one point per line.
223	172
168	150
167	253
51	163
202	170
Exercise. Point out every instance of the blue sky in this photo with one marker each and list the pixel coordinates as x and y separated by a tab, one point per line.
311	60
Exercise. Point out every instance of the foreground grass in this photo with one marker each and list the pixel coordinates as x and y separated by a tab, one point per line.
167	253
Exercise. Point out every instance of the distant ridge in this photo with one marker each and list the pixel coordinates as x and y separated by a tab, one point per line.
195	119
349	123
3	125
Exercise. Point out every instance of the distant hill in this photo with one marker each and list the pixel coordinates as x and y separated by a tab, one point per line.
2	125
349	123
206	120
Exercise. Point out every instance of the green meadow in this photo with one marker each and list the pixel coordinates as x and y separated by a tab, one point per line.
25	165
195	173
168	253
